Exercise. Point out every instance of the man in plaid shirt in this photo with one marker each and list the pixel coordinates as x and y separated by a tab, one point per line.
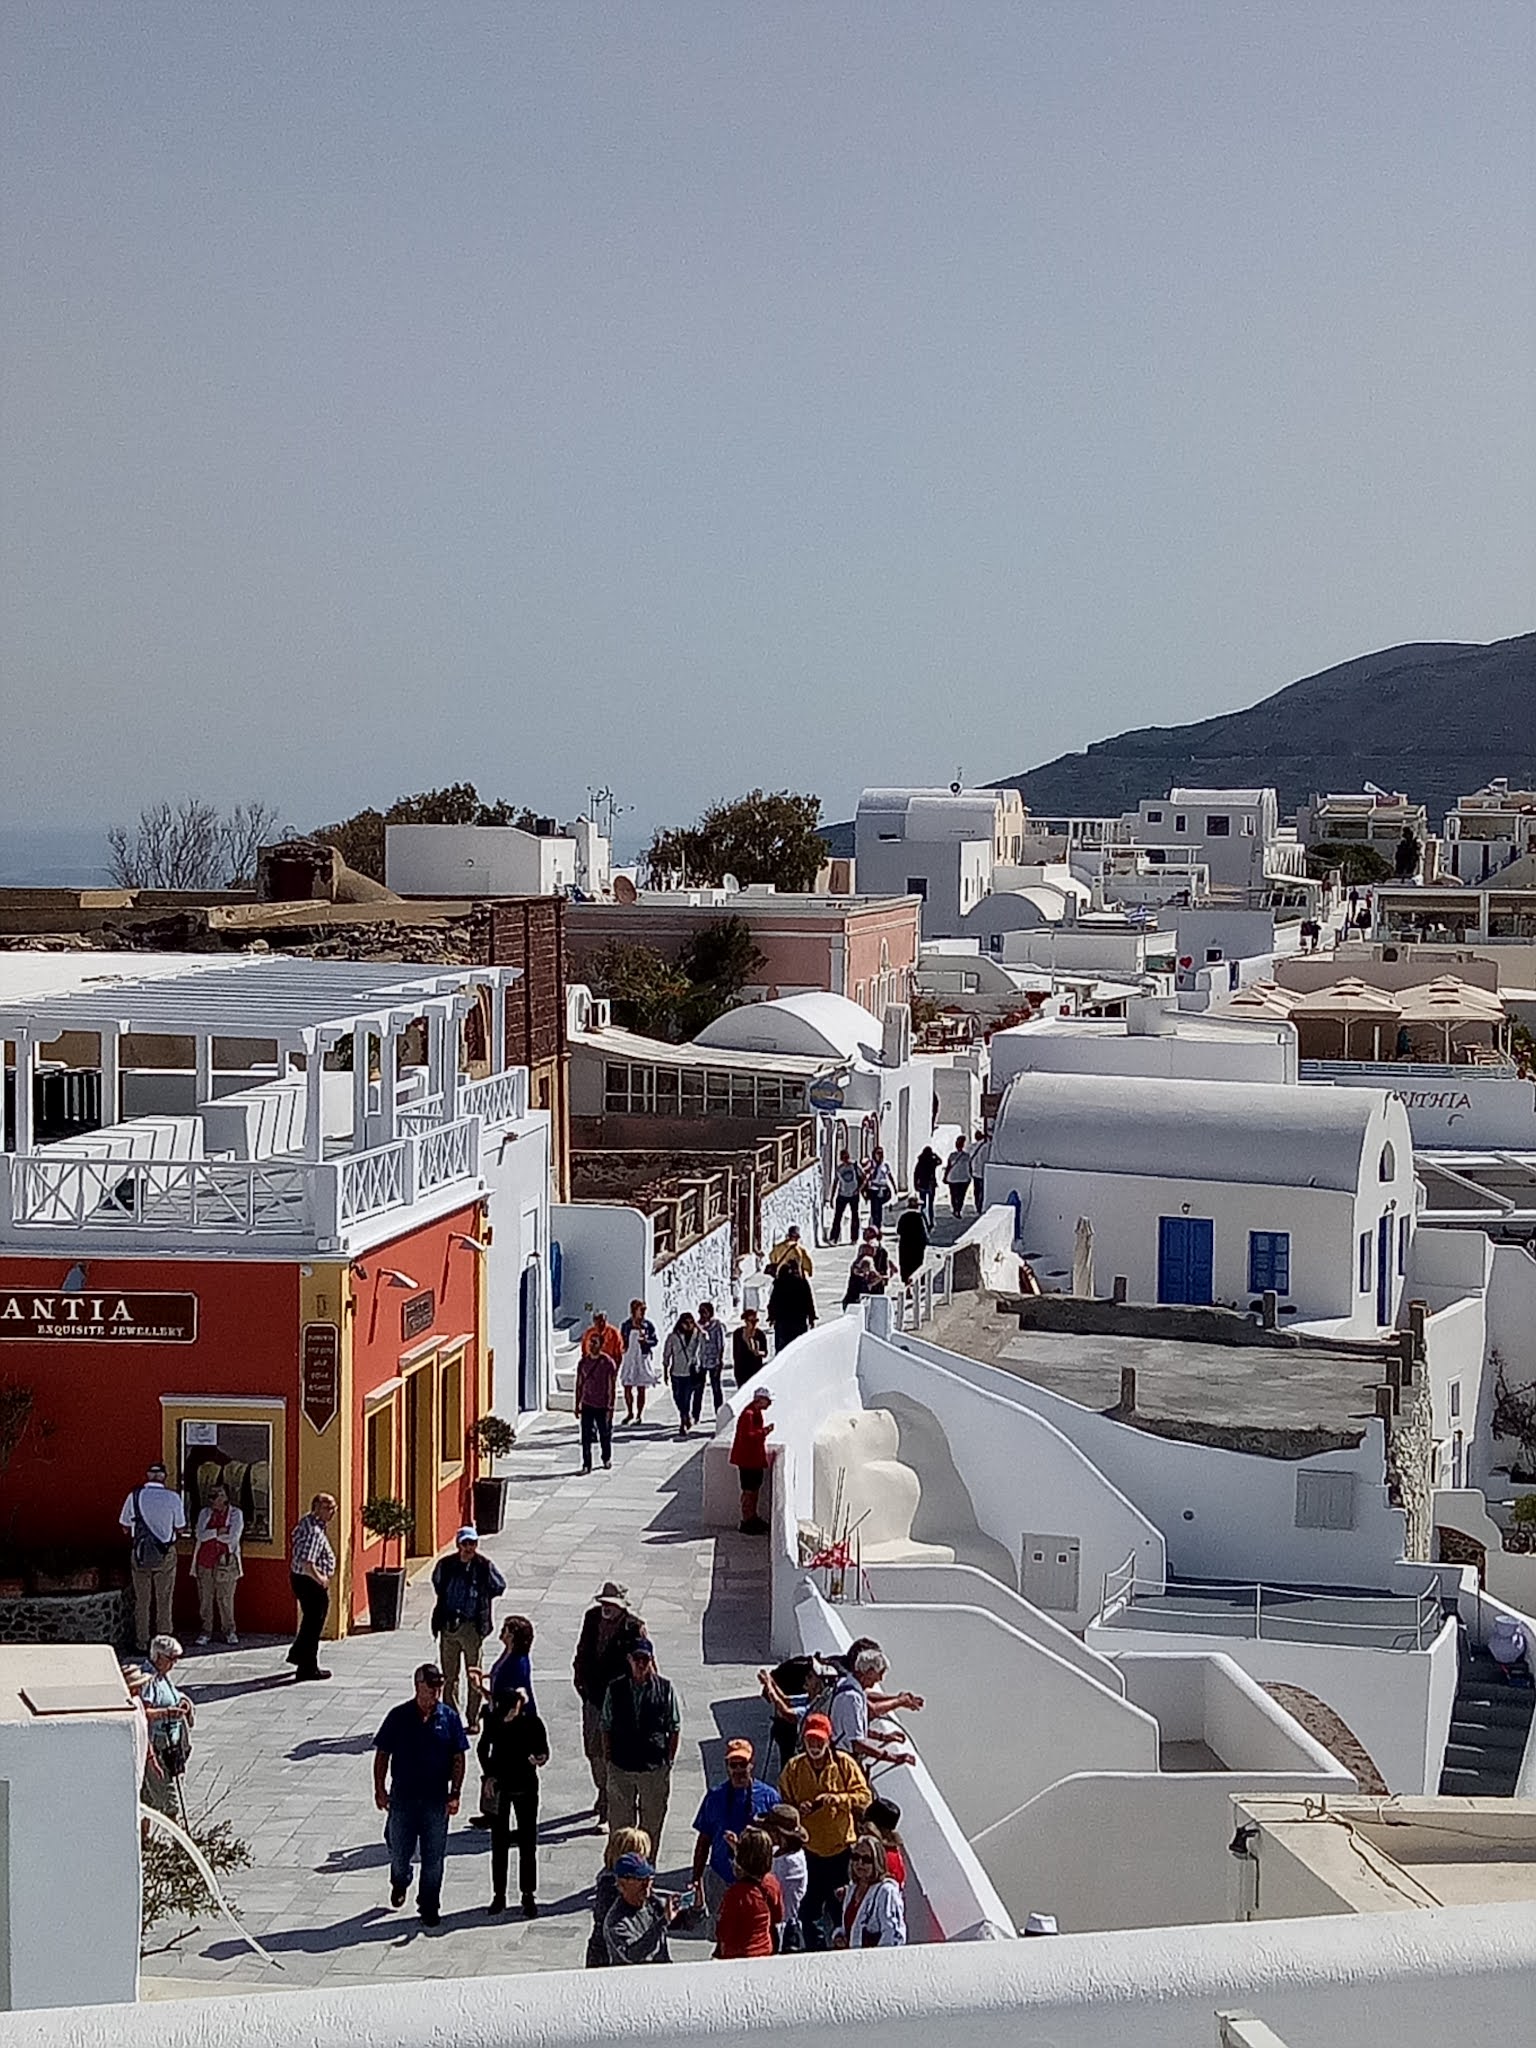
311	1565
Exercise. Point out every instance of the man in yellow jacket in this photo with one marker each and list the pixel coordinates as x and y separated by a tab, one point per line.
829	1791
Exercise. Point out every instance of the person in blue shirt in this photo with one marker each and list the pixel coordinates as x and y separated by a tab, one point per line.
726	1812
466	1585
418	1771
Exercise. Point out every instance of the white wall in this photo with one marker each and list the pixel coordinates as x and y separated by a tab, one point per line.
700	1273
1263	1054
1456	1110
1241	1510
605	1258
983	1685
1022	1475
1203	1696
1398	1702
1091	948
1455	1340
517	1182
964	1585
1412	1979
475	860
798	1201
69	1860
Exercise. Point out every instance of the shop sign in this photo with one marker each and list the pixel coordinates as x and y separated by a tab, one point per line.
418	1314
320	1375
30	1317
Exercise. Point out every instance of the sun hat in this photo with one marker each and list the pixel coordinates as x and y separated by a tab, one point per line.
611	1594
783	1822
1041	1923
631	1865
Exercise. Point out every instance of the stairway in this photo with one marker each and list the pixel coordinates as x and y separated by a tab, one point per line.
1490	1722
563	1361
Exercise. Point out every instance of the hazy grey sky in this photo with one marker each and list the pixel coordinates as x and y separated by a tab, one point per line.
691	396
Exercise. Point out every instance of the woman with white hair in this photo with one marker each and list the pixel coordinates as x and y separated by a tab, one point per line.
170	1716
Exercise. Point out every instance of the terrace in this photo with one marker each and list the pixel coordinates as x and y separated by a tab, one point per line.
271	1105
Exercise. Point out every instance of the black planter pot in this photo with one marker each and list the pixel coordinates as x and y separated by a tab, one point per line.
386	1595
490	1506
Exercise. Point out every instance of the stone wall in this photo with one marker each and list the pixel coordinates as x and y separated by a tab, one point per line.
1410	1475
700	1272
798	1201
68	1618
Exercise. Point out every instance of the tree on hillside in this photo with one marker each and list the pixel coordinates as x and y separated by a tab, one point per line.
360	839
191	845
765	836
1359	865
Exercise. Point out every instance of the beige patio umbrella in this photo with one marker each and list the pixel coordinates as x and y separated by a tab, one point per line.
1350	1001
1260	999
1082	1259
1449	1001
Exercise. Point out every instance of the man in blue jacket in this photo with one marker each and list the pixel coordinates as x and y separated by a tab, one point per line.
465	1584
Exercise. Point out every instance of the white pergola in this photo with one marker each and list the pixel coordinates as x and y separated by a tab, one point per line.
305	1007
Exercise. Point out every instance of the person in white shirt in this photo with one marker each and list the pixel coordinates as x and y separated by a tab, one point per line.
216	1564
874	1914
957	1175
879	1186
789	1838
855	1697
152	1518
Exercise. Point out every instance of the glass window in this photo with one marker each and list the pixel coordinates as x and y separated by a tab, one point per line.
379	1451
1365	1262
615	1087
1154	817
450	1394
743	1094
718	1094
1402	1244
668	1094
769	1097
1179	821
1269	1261
1219	827
692	1097
1386	1166
236	1456
917	886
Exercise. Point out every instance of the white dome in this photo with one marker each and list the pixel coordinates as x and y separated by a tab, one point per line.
1255	1131
818	1023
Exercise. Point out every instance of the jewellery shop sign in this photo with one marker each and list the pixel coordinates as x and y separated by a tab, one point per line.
88	1318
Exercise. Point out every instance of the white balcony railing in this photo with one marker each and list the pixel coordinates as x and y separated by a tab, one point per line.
298	1200
498	1099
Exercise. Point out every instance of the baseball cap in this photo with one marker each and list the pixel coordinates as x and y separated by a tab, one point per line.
739	1747
468	1534
156	1470
642	1646
762	1397
631	1865
818	1724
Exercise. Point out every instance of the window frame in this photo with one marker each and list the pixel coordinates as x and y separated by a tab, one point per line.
1269	1254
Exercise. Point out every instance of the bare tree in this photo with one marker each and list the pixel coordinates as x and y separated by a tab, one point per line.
190	845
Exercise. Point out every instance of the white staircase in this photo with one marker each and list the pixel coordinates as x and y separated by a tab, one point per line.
563	1360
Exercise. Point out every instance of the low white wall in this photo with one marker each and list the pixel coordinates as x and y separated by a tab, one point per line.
1411	1979
1398	1702
701	1272
984	1686
1022	1474
69	1858
963	1585
992	1236
1510	1575
949	1894
1106	1850
605	1258
1225	1515
1200	1697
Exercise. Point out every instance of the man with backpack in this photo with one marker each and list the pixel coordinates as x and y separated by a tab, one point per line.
152	1518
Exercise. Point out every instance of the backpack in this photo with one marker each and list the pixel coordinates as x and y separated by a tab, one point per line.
149	1553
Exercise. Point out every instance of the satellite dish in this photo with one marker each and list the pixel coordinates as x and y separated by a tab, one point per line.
730	882
624	890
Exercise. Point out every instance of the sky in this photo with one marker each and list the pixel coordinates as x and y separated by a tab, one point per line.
692	397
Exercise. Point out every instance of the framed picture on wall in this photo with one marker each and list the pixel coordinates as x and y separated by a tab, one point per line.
235	1455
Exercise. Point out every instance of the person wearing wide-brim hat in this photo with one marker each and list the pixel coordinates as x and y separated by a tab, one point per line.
608	1628
782	1825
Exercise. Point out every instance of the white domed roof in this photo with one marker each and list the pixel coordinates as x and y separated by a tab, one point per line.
1255	1131
818	1023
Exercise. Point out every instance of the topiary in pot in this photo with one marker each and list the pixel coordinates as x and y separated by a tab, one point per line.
393	1521
492	1438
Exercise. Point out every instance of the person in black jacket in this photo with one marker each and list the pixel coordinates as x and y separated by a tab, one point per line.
608	1628
791	1305
514	1748
911	1239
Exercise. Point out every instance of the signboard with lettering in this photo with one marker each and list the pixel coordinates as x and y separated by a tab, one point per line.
418	1314
29	1316
320	1375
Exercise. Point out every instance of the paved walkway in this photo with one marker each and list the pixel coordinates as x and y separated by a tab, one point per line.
290	1765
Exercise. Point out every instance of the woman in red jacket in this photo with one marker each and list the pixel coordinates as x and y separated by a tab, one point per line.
749	1454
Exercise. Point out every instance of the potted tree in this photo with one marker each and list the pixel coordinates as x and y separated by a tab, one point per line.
393	1521
492	1438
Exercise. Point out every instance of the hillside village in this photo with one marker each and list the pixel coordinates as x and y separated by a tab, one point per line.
1167	1415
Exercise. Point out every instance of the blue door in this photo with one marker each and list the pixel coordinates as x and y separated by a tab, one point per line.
527	1342
1384	1270
1186	1257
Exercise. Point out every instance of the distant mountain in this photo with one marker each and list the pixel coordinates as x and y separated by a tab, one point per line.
1434	721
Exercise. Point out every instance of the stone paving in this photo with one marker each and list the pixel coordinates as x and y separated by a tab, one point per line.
290	1765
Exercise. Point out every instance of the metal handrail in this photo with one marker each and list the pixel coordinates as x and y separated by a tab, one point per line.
1428	1615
